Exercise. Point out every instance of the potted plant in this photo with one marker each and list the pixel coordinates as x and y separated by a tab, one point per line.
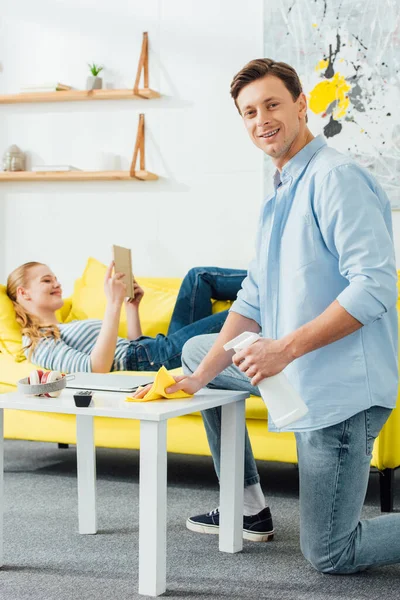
94	82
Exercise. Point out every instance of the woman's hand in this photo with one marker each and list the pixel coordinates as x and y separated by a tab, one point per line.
114	287
139	293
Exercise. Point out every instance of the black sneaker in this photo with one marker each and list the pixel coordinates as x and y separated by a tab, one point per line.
257	528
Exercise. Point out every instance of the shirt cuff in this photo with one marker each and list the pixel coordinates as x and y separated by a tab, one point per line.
360	304
246	310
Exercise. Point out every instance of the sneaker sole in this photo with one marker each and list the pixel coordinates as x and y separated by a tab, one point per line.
266	536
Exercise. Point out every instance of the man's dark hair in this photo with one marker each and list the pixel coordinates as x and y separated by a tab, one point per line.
256	69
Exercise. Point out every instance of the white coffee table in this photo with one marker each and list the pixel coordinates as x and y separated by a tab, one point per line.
153	418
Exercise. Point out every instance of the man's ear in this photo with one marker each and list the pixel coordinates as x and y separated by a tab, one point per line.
302	100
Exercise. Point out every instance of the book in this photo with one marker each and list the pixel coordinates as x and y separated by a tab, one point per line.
45	168
46	87
123	264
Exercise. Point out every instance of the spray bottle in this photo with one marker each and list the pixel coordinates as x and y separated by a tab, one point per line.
283	402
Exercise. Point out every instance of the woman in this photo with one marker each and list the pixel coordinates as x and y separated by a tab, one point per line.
93	345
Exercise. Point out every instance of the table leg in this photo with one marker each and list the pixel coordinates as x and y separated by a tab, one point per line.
86	459
1	483
231	477
153	508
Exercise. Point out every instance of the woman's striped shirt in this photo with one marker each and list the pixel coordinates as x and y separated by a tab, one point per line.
71	353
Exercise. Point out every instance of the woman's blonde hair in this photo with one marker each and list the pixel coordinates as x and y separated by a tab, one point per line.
30	324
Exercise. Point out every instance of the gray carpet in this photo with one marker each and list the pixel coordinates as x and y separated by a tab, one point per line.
46	558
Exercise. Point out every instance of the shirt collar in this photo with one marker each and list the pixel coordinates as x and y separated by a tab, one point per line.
277	179
298	163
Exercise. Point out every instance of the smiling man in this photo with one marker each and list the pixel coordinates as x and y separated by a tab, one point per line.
322	291
283	132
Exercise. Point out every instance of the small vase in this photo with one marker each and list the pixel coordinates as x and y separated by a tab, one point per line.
14	159
94	83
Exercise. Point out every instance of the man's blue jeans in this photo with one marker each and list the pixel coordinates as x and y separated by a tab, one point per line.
334	466
192	316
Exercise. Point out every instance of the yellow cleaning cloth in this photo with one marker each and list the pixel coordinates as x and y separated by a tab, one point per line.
157	391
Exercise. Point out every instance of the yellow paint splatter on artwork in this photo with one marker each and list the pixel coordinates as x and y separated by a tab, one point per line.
329	91
323	64
314	25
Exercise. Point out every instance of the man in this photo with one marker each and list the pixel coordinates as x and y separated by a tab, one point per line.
322	290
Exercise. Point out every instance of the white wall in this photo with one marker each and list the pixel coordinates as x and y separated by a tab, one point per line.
204	208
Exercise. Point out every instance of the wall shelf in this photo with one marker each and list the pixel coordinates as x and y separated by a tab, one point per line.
74	95
79	95
132	175
135	93
77	176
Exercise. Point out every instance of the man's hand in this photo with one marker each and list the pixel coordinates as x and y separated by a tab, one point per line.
190	385
187	383
142	392
262	359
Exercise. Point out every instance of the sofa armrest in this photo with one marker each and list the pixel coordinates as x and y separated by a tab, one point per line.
386	453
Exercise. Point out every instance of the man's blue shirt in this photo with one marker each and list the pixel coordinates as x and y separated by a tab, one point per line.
326	234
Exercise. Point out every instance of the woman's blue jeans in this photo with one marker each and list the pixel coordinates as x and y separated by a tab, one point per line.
334	467
192	316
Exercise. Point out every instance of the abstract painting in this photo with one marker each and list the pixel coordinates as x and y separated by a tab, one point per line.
347	54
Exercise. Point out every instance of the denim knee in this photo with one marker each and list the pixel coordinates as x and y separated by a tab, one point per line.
318	559
194	350
195	271
187	361
324	560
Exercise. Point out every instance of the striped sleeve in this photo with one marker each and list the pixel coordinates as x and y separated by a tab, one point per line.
56	355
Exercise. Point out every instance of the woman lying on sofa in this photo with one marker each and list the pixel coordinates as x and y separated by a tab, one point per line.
94	345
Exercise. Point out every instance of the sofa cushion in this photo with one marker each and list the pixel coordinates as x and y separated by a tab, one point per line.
89	302
10	331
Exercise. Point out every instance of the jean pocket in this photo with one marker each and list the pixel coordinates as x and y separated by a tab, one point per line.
368	436
375	418
144	357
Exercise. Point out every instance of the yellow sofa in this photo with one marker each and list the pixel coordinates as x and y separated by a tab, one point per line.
186	434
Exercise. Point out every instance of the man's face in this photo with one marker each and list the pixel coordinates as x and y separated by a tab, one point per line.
272	118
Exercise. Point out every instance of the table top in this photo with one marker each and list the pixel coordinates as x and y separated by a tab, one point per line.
113	404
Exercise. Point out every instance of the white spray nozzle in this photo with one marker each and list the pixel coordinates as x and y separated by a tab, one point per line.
244	340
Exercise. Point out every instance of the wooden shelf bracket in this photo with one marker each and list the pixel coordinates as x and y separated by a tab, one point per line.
143	65
139	147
